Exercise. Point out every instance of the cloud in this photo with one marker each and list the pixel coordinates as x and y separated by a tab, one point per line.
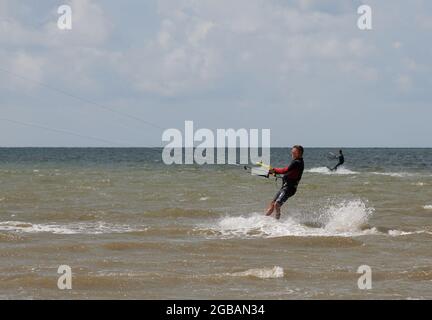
201	43
202	46
31	66
404	83
333	7
397	45
43	52
90	26
302	56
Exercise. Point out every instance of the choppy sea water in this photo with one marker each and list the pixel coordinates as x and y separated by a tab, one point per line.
130	226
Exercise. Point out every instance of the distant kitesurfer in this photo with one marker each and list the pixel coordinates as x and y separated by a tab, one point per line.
291	178
341	161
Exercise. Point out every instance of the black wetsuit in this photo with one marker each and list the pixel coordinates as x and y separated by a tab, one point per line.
341	162
291	178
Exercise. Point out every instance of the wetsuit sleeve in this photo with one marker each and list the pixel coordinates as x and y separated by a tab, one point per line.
286	169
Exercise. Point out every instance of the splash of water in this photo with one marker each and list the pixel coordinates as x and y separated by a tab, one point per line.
324	170
346	219
262	273
348	216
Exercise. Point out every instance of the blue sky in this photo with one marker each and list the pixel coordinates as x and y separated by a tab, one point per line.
299	67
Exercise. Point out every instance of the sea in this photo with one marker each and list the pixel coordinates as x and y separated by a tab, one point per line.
131	227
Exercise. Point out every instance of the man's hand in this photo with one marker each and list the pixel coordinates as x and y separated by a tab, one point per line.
271	171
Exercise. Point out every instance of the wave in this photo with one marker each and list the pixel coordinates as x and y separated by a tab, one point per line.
262	273
72	228
394	174
324	170
120	246
397	233
427	207
346	219
8	237
415	273
344	171
419	184
179	212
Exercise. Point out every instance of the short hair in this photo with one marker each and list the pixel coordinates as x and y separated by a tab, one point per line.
299	148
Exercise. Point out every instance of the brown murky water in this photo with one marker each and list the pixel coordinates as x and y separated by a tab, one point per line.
131	227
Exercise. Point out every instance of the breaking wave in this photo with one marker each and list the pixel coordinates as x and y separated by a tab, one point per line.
324	170
344	171
419	184
346	219
394	174
262	273
72	228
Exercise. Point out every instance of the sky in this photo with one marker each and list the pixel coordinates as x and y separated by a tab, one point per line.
128	70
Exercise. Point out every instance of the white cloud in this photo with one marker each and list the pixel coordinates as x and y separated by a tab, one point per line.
334	6
90	27
28	65
199	32
14	34
424	21
44	51
25	66
301	55
404	83
200	43
397	44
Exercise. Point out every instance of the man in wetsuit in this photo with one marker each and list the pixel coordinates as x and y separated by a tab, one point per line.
341	161
291	178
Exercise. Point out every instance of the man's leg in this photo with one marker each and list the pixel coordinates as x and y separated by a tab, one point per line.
270	208
272	204
283	197
278	207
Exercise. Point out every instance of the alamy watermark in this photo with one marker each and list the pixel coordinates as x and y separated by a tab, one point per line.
64	282
364	22
365	280
64	22
204	146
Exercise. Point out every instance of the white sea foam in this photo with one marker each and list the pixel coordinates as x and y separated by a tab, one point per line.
427	207
348	216
262	273
394	174
420	184
204	198
344	171
346	219
72	228
397	233
324	170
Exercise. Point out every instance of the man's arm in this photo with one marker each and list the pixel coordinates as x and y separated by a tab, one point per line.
282	170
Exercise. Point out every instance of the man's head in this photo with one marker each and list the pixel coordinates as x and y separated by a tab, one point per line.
340	151
297	152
